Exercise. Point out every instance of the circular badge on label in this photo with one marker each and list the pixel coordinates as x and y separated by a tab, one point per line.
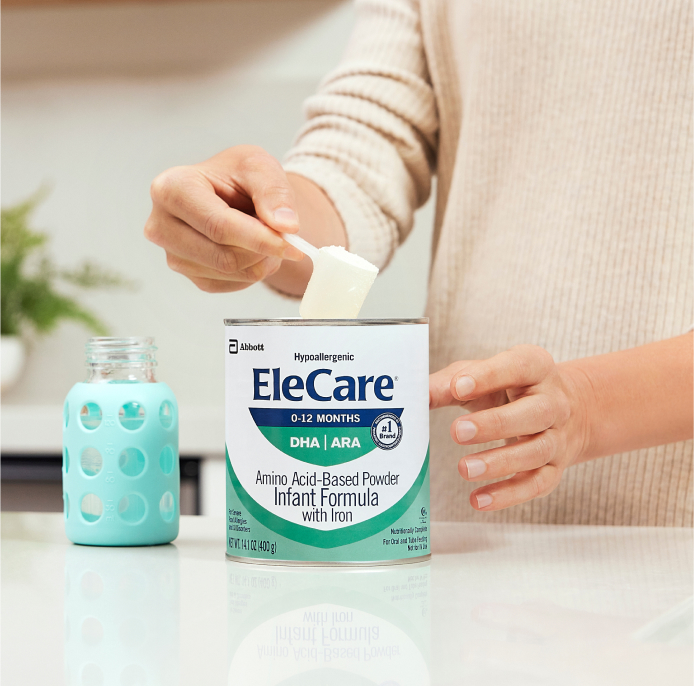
386	431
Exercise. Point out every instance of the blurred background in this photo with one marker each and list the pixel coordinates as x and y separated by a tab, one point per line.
97	99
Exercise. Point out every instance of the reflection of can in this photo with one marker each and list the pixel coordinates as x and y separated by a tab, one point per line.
328	626
327	434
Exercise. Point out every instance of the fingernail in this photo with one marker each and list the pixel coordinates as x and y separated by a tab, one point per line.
464	386
285	216
484	500
464	431
475	467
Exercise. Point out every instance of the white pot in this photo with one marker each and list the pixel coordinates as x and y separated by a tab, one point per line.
12	357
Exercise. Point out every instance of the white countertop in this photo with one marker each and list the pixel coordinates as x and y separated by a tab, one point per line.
497	605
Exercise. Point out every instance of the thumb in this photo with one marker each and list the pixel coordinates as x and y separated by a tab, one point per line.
440	385
267	184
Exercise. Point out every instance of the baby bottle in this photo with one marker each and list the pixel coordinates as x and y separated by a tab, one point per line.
121	478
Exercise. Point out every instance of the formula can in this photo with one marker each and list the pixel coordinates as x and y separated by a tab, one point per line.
327	437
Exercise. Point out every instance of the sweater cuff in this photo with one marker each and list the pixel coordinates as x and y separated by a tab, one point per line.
370	233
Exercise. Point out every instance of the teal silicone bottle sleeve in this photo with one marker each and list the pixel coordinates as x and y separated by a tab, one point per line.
121	478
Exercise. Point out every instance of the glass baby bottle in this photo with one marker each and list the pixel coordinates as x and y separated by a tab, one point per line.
121	478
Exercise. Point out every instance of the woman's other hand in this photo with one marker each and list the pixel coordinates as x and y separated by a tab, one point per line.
523	397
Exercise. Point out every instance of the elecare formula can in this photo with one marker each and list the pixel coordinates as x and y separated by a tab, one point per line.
327	436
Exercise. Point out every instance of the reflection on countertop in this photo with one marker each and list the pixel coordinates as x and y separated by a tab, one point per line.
497	605
311	626
121	615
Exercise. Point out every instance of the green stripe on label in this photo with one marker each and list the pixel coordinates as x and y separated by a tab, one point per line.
336	537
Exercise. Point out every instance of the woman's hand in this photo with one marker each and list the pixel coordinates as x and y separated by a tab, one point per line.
523	397
215	219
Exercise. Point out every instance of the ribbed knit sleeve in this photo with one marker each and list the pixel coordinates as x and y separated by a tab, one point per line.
370	137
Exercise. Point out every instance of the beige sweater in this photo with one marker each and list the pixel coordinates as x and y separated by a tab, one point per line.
561	136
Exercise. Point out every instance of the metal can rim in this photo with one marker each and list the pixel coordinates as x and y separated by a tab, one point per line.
298	321
329	564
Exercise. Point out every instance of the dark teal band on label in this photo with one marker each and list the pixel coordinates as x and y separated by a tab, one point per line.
336	537
313	419
320	437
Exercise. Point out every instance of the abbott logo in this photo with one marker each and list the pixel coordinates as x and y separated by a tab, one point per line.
234	346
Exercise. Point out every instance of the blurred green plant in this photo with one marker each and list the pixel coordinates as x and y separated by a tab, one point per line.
29	299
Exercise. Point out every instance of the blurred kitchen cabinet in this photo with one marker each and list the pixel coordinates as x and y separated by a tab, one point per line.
57	3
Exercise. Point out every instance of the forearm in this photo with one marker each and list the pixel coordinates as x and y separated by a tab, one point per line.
635	398
319	223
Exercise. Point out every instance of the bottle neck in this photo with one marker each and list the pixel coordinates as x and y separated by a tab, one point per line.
121	360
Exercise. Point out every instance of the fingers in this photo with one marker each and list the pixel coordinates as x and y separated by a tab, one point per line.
511	459
248	175
440	386
516	396
525	416
264	180
179	239
440	391
520	488
220	222
521	366
185	193
217	286
211	284
261	268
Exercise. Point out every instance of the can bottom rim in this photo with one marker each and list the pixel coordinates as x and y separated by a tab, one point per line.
302	563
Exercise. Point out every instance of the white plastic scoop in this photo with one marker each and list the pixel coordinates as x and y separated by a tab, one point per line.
339	283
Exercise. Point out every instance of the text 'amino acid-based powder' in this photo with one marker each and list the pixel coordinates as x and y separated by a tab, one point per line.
327	436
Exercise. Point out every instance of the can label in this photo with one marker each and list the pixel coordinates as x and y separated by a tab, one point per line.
327	434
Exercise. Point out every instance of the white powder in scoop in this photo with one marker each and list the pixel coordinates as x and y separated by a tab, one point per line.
339	285
340	253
